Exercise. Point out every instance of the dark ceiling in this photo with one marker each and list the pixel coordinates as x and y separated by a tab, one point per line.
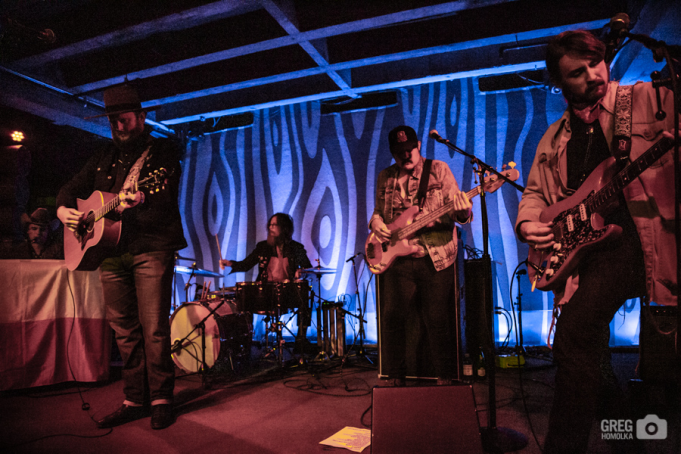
201	60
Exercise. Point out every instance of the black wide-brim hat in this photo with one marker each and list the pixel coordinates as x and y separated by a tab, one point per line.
121	99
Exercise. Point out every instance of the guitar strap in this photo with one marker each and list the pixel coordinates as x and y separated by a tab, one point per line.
423	185
134	172
621	141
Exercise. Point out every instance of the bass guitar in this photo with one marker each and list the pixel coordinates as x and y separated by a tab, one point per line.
380	255
97	236
578	221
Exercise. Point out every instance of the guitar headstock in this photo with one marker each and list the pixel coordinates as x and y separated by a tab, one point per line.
493	182
155	182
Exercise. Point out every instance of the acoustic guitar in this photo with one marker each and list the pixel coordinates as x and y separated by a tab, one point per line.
96	236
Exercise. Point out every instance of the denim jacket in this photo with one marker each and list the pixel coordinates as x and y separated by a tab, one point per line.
438	240
650	197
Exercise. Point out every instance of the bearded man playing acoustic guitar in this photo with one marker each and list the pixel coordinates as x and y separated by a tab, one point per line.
424	279
136	277
641	261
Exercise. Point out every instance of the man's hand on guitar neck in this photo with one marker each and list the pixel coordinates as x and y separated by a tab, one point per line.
539	235
70	217
130	197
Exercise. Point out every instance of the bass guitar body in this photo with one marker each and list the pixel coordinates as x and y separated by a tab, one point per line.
93	241
379	255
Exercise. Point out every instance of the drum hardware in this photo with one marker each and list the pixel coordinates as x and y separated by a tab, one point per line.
225	335
322	334
181	344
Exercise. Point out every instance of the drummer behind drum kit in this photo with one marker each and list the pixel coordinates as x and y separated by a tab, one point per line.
217	328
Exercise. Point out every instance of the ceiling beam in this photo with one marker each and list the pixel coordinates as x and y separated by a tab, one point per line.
349	27
179	21
335	94
344	66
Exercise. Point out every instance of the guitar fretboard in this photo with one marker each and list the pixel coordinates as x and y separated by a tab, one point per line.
629	173
410	229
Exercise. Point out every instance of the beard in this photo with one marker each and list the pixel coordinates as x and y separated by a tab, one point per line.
274	240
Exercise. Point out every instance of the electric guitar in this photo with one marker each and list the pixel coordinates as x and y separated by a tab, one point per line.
96	236
578	221
380	255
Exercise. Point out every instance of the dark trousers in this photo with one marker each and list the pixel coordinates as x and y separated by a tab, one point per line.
606	280
415	282
137	293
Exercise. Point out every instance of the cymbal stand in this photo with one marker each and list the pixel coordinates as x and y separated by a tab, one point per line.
321	343
180	343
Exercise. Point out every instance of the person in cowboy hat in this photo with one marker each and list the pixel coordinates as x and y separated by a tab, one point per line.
137	277
40	243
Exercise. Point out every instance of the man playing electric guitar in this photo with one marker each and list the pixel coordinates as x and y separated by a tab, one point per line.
137	276
642	260
426	278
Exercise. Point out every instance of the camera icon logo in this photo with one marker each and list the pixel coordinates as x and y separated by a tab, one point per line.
651	428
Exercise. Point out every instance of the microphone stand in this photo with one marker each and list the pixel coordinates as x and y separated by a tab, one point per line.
361	353
494	439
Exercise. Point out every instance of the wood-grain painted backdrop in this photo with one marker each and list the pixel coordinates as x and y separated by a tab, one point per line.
321	169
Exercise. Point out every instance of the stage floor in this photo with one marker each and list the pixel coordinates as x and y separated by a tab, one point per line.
269	409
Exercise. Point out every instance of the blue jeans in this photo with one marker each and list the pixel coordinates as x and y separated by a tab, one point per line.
414	281
137	293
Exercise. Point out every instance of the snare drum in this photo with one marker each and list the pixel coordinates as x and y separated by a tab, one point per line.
227	337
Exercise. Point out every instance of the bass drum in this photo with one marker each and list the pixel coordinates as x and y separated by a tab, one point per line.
228	336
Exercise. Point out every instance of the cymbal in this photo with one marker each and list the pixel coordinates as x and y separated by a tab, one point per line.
318	270
197	271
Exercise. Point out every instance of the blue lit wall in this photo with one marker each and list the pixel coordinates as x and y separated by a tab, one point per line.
322	170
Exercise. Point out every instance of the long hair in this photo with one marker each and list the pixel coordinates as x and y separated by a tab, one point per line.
285	223
580	43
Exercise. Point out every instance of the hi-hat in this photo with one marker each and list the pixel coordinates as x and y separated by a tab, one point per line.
196	271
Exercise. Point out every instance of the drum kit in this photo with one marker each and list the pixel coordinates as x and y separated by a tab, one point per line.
217	328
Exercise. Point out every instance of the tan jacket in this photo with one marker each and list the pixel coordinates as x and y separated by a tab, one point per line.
650	198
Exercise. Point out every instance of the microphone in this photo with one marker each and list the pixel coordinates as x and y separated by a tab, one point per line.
353	257
435	136
521	272
618	25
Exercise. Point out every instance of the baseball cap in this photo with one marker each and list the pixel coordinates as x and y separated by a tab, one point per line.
402	138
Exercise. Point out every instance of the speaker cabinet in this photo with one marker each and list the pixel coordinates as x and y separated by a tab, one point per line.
432	419
659	363
418	358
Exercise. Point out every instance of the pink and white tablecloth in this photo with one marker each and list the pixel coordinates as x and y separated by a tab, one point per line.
51	318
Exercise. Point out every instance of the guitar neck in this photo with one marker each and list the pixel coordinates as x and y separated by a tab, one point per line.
106	208
410	229
630	172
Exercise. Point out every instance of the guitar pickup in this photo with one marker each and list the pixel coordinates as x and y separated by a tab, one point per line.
582	212
370	251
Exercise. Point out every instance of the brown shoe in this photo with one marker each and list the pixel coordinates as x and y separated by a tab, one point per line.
123	415
161	416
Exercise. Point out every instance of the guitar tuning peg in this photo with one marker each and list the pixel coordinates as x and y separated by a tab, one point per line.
512	164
